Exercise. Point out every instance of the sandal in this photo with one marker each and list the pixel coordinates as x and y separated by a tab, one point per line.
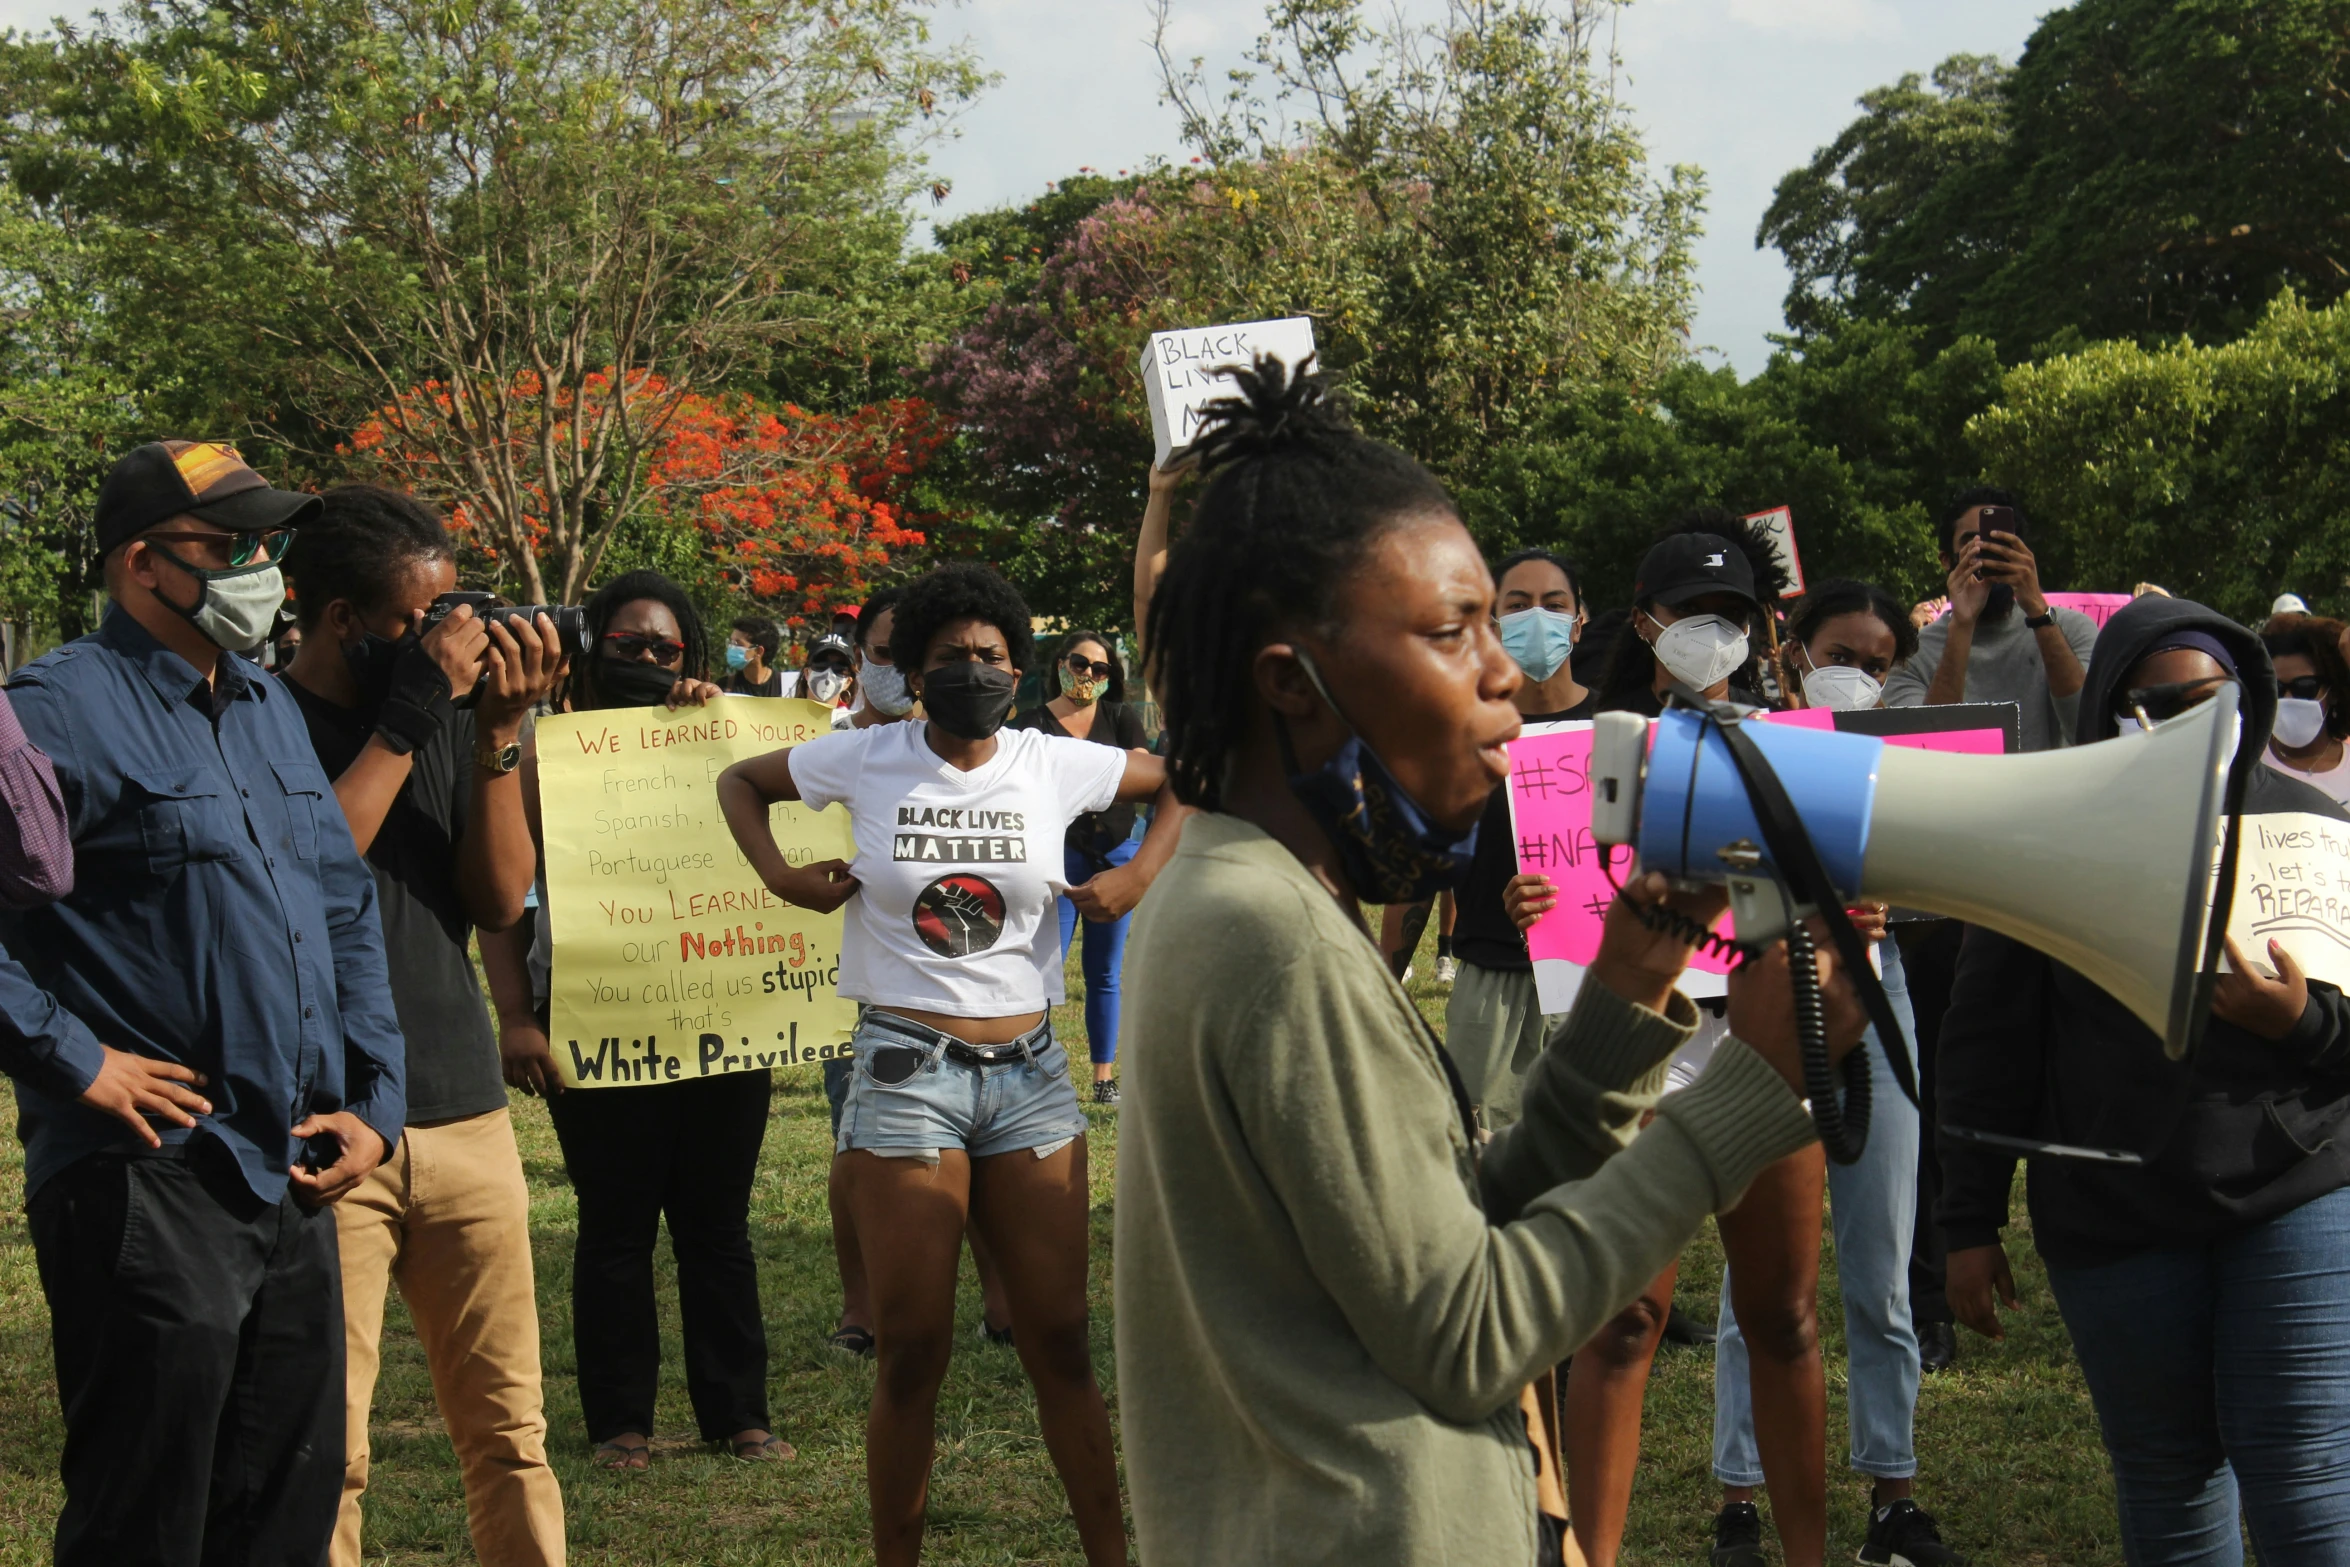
624	1458
855	1341
772	1450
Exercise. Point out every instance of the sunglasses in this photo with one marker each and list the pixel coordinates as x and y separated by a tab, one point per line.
242	547
1079	664
2307	688
631	645
2153	705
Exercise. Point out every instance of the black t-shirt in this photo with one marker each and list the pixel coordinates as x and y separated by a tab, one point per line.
452	1049
1096	833
1482	933
740	684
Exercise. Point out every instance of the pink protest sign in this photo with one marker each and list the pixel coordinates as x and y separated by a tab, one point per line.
1550	824
2097	606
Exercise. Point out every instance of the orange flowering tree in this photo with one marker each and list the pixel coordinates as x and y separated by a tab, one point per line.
794	508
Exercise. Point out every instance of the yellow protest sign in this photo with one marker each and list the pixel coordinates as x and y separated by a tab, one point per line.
672	959
2293	887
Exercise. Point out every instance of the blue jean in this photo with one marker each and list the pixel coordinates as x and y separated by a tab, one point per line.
1873	1203
1105	951
2221	1376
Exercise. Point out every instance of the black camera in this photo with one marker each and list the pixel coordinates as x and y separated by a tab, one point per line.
570	623
571	632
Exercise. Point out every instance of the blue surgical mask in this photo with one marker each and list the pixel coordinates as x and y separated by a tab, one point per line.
1539	639
737	656
1391	851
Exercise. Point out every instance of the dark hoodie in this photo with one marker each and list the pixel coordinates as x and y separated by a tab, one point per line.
2242	1131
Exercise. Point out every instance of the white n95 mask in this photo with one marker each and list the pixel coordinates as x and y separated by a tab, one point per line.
1840	688
1701	651
2299	722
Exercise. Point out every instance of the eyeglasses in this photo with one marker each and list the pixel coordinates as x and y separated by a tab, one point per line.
2160	704
2307	688
242	547
631	645
1079	664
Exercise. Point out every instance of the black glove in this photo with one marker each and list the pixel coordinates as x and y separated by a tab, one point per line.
413	712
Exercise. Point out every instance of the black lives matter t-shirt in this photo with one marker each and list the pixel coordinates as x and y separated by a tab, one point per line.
452	1049
1482	933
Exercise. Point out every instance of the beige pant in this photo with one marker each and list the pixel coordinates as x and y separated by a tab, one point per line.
1494	1031
447	1217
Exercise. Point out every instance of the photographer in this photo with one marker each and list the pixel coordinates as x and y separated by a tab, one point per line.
202	1039
1330	1309
433	796
2207	1292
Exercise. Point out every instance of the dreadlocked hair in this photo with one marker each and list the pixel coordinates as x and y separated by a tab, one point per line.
1295	498
362	541
606	603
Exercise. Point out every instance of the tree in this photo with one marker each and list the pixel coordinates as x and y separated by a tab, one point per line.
2221	472
2149	168
508	199
1839	219
787	509
1862	434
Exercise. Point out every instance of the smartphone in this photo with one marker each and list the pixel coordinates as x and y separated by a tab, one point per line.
1997	519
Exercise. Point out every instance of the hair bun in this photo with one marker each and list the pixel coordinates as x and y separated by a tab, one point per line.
1275	411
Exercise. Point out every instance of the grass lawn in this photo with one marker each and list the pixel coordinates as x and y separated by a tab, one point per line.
2007	1442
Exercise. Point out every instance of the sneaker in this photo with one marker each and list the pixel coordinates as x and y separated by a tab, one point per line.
1937	1346
1000	1337
1689	1333
1903	1534
1407	975
1105	1091
1738	1540
1446	970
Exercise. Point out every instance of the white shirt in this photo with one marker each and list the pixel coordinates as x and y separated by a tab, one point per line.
2335	782
956	871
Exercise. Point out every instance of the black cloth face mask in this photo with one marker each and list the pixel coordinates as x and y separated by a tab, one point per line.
969	700
631	684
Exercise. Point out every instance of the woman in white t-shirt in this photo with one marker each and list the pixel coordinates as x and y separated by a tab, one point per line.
960	1106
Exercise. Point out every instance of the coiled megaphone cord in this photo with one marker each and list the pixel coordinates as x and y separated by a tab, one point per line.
1672	922
1843	1127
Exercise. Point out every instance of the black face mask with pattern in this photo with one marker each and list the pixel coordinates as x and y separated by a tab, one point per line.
1391	851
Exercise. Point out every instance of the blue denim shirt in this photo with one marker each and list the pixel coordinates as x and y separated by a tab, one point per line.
220	916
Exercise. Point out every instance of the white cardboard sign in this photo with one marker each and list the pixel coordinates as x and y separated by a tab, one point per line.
1186	370
1779	523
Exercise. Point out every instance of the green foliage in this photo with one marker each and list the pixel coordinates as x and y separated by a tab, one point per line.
2222	473
1861	434
326	203
2149	168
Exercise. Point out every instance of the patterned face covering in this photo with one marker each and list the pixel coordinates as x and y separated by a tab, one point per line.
1391	851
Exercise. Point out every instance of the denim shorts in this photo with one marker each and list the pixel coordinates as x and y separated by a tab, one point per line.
908	1099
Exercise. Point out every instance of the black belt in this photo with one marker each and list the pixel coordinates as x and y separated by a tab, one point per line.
984	1055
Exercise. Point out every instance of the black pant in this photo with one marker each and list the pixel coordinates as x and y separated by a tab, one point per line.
1929	955
199	1340
687	1150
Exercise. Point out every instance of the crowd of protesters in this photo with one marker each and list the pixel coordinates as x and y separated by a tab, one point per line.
1383	1297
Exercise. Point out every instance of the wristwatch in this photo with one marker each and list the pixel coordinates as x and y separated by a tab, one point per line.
2041	621
498	760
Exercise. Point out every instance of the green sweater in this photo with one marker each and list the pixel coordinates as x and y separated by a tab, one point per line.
1327	1304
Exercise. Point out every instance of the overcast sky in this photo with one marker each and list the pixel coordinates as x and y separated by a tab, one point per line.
1744	89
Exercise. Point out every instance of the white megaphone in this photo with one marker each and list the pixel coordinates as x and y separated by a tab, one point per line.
2106	857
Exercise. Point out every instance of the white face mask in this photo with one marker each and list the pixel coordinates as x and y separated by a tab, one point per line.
237	607
825	684
885	688
1702	651
1840	688
2299	722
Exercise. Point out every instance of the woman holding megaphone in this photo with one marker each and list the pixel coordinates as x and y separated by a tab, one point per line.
1332	1299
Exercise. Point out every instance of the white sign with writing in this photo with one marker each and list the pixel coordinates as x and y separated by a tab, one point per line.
1779	523
2293	888
1187	370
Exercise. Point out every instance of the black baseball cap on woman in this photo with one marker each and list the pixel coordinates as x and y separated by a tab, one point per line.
1691	565
205	479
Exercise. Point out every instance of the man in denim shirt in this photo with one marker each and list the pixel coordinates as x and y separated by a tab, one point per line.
202	1039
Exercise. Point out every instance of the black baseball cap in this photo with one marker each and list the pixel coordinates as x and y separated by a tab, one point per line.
1691	565
207	479
833	642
